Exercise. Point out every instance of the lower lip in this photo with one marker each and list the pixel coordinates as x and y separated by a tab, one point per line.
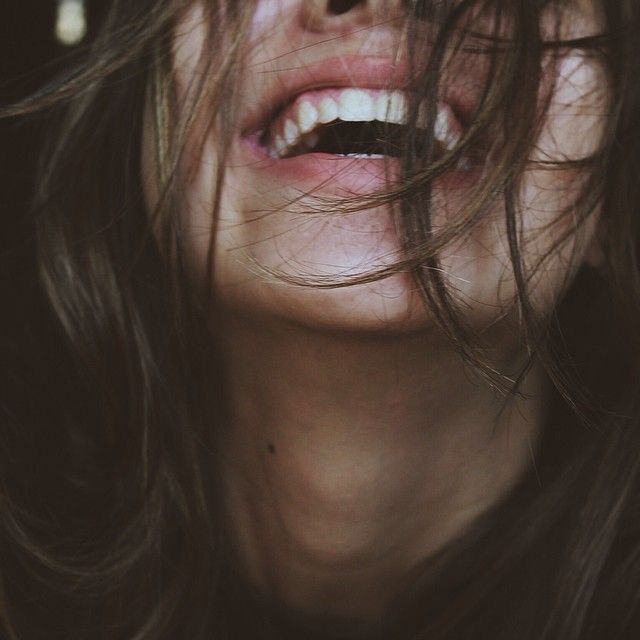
355	175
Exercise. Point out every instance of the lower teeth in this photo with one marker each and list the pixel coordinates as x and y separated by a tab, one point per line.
361	155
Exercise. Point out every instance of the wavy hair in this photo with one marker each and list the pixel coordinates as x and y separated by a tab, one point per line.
111	387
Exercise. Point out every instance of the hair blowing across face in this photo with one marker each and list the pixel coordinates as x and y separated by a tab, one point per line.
109	523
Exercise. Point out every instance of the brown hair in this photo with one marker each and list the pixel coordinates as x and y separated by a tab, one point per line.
109	524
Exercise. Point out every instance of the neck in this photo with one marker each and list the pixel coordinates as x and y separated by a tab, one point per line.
349	459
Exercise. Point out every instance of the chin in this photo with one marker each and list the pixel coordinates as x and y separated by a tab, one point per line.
389	306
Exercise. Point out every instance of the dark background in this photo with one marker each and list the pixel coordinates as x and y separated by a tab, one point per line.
29	58
27	53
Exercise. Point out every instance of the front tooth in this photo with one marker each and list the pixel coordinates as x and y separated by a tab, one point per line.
327	110
452	141
291	132
356	106
441	126
280	145
308	117
392	107
397	108
443	132
382	106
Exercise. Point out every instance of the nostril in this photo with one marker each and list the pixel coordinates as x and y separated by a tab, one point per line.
338	7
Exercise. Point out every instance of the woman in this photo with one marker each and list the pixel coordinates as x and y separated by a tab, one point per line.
335	333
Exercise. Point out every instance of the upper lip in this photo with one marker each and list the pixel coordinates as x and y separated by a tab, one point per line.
367	72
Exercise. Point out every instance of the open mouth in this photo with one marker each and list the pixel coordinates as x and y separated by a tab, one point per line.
353	122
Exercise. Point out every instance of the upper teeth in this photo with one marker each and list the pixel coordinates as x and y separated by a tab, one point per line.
296	126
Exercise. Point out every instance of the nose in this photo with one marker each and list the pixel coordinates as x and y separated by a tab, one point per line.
343	16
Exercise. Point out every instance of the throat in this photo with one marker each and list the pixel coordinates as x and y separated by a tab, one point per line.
333	490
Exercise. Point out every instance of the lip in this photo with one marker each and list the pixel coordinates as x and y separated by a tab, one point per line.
342	174
366	72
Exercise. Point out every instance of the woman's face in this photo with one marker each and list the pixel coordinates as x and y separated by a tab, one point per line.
307	65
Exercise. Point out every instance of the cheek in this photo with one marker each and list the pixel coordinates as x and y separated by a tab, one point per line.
577	111
268	13
573	131
189	38
552	246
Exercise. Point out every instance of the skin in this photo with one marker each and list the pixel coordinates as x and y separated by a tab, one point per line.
358	442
